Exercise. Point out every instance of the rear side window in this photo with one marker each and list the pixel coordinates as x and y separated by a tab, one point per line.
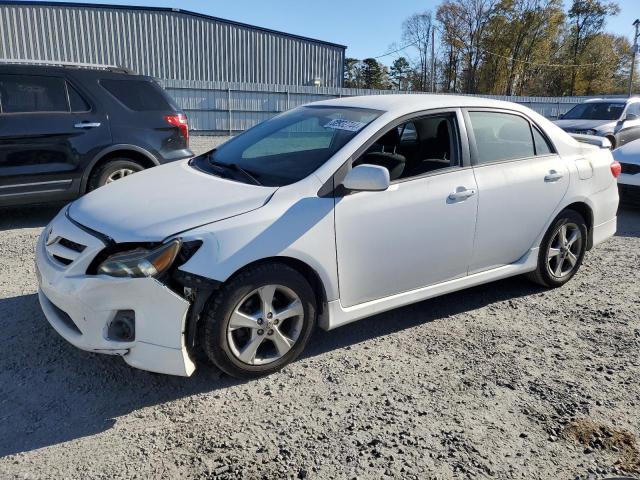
32	93
501	136
138	95
76	101
542	146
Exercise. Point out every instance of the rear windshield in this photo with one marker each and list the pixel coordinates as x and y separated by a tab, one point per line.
595	111
138	95
289	147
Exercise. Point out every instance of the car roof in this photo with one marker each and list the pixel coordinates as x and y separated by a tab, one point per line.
613	100
398	103
76	69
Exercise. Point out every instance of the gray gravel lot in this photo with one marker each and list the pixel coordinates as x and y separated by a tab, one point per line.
505	380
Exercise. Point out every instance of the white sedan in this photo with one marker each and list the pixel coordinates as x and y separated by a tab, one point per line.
629	179
323	215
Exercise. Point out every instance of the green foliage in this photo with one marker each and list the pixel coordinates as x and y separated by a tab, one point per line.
506	47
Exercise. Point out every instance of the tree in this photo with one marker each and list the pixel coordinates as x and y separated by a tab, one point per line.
587	19
447	16
399	72
467	21
416	32
352	73
374	74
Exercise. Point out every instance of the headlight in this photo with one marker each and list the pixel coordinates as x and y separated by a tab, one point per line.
141	262
591	131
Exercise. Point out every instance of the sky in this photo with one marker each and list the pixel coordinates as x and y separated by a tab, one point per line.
367	27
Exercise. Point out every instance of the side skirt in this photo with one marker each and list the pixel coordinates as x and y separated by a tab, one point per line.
338	315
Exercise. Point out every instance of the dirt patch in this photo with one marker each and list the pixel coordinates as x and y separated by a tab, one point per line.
597	436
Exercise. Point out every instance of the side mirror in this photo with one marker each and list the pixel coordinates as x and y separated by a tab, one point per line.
367	178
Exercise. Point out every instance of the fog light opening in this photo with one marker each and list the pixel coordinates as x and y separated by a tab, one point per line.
123	326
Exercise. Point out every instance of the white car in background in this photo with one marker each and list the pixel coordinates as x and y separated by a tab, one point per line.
629	180
323	215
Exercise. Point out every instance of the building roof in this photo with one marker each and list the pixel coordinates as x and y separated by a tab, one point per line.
32	3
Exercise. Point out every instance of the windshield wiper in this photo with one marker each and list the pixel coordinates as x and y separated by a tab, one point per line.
236	168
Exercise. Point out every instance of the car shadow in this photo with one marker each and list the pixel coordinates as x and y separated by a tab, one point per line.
12	218
628	221
51	392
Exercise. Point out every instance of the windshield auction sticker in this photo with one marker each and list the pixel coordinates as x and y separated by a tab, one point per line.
348	125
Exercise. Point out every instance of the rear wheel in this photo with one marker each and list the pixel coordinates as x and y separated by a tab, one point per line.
260	321
561	251
113	170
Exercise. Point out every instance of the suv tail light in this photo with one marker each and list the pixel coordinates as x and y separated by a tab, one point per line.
180	121
616	169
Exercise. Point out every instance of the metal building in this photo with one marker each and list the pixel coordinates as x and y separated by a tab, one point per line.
169	44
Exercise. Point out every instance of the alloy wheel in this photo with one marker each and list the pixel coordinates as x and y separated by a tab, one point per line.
564	250
265	325
118	174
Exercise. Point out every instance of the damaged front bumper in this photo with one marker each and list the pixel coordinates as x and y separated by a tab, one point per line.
82	307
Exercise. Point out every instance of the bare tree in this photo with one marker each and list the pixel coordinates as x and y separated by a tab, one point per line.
416	31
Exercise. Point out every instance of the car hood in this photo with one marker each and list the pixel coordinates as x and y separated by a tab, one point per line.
629	153
585	124
162	201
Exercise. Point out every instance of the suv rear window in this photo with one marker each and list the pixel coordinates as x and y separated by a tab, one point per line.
32	93
138	95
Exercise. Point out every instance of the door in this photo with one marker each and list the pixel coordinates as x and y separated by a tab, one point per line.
418	232
521	181
628	129
48	133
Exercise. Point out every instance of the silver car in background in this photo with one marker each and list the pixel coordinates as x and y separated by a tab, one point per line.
617	119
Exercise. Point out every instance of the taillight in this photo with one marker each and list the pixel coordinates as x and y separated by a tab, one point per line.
180	121
616	169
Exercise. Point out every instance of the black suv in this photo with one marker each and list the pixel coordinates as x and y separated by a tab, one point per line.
65	130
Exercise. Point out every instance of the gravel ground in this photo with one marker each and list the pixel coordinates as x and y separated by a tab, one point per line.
203	143
505	380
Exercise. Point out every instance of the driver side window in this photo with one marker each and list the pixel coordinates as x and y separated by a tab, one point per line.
417	147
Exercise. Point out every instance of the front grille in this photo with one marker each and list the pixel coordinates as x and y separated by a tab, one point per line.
63	250
71	245
64	261
630	168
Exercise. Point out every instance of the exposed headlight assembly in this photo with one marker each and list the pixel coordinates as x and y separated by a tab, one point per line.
141	262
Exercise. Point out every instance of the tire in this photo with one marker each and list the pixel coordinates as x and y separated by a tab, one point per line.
554	252
106	172
236	337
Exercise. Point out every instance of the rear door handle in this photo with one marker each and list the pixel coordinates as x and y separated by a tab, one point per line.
553	176
87	125
462	193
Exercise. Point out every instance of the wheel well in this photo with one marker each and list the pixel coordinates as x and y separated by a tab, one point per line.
305	270
612	139
586	212
127	154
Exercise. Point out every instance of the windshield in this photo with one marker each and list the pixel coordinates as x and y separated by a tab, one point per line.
595	111
286	148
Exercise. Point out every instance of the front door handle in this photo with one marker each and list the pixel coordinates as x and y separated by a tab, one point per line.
461	193
553	176
87	125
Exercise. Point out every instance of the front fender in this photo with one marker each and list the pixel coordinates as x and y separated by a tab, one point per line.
302	230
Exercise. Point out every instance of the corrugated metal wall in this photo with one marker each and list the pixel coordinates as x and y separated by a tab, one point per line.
227	108
166	44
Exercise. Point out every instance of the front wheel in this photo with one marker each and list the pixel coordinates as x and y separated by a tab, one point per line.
260	321
561	251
